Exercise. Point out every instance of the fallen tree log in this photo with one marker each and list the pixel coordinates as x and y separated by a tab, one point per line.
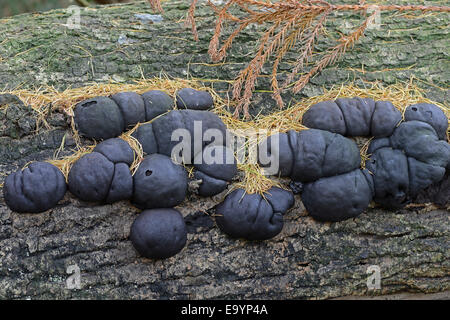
307	260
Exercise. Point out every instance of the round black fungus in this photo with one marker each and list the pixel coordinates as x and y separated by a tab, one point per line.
99	118
208	122
357	115
384	119
216	161
419	140
90	177
209	186
337	198
353	117
422	175
121	187
163	127
144	134
156	103
311	154
116	150
252	217
159	183
189	98
216	166
390	176
319	153
95	178
34	189
378	143
325	115
158	233
430	114
277	146
131	106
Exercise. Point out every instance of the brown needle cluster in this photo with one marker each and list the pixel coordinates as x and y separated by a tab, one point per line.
286	22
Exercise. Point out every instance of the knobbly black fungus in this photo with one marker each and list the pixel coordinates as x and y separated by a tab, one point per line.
378	143
95	178
422	175
357	115
159	183
311	154
209	186
390	176
252	217
353	117
213	130
34	189
420	141
319	153
215	166
277	147
325	115
430	114
121	187
99	118
206	122
158	233
163	128
156	103
144	134
131	106
216	161
337	198
384	119
189	98
116	150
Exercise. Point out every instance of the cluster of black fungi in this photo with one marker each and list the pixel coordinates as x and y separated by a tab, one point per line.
324	165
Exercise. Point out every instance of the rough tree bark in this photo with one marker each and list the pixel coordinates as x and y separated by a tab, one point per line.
307	260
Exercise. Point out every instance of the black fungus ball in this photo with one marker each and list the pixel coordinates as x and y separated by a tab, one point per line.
390	176
99	118
131	106
325	115
338	198
156	103
385	118
158	233
378	143
319	153
209	186
163	127
277	147
144	134
422	175
357	115
195	124
34	189
430	114
215	166
159	183
353	117
217	161
252	217
419	140
116	150
189	98
95	178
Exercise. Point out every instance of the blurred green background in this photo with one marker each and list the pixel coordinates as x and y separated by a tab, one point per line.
13	7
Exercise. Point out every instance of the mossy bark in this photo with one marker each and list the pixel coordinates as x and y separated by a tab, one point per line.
307	260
